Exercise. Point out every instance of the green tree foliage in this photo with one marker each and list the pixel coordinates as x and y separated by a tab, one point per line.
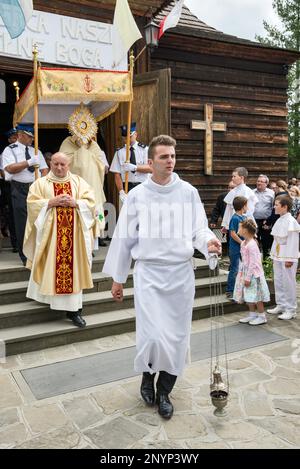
288	37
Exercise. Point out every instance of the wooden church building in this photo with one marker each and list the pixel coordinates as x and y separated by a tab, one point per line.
224	99
228	104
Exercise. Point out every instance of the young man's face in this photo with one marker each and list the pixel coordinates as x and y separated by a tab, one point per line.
163	162
280	209
236	179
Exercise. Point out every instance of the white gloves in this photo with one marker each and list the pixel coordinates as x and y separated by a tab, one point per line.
34	161
123	196
129	167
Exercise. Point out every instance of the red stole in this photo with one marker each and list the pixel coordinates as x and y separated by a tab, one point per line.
64	242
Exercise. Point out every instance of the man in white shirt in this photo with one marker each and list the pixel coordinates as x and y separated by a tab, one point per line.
262	212
18	162
137	168
160	224
239	176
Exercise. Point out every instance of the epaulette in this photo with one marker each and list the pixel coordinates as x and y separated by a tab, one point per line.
143	145
120	148
13	145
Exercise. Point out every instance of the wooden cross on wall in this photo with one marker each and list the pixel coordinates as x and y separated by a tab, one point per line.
209	126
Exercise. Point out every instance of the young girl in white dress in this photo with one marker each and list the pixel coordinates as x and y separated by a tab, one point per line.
251	286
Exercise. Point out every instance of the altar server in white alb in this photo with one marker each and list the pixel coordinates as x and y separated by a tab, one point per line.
285	255
160	225
239	176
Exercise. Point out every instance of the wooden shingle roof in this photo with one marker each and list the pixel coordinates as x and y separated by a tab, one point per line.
190	25
187	19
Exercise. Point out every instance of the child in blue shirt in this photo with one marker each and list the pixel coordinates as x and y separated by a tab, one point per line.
240	207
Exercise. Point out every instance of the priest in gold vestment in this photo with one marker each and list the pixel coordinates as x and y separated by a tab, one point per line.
59	239
86	157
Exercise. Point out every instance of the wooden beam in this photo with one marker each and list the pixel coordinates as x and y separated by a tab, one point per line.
210	127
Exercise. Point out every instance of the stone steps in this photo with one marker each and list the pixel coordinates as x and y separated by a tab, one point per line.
30	312
18	273
27	338
15	291
26	325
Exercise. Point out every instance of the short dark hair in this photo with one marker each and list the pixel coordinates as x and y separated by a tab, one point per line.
249	225
239	202
285	201
241	171
160	140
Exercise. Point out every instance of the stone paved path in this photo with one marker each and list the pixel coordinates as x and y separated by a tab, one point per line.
263	411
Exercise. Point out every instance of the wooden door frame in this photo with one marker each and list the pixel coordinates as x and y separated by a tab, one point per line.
164	78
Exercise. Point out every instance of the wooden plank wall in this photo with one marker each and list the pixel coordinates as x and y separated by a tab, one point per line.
250	96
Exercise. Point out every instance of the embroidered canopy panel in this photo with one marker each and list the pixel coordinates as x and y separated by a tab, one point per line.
101	91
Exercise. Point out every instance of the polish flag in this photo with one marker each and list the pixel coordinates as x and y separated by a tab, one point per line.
171	20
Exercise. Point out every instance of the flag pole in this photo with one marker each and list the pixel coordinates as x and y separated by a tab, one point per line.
17	89
36	118
131	66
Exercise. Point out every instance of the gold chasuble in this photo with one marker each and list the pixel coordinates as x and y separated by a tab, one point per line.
58	241
86	162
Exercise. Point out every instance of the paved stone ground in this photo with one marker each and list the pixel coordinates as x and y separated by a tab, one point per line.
263	411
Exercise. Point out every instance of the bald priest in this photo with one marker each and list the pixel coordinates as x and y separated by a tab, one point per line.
59	238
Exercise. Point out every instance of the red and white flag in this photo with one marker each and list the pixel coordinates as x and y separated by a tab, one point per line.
171	20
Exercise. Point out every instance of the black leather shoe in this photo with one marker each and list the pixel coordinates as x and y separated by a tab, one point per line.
165	406
147	388
101	243
76	319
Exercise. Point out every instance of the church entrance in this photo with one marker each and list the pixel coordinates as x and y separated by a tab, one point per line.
151	110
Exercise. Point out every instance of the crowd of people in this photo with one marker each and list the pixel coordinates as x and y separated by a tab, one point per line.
267	218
